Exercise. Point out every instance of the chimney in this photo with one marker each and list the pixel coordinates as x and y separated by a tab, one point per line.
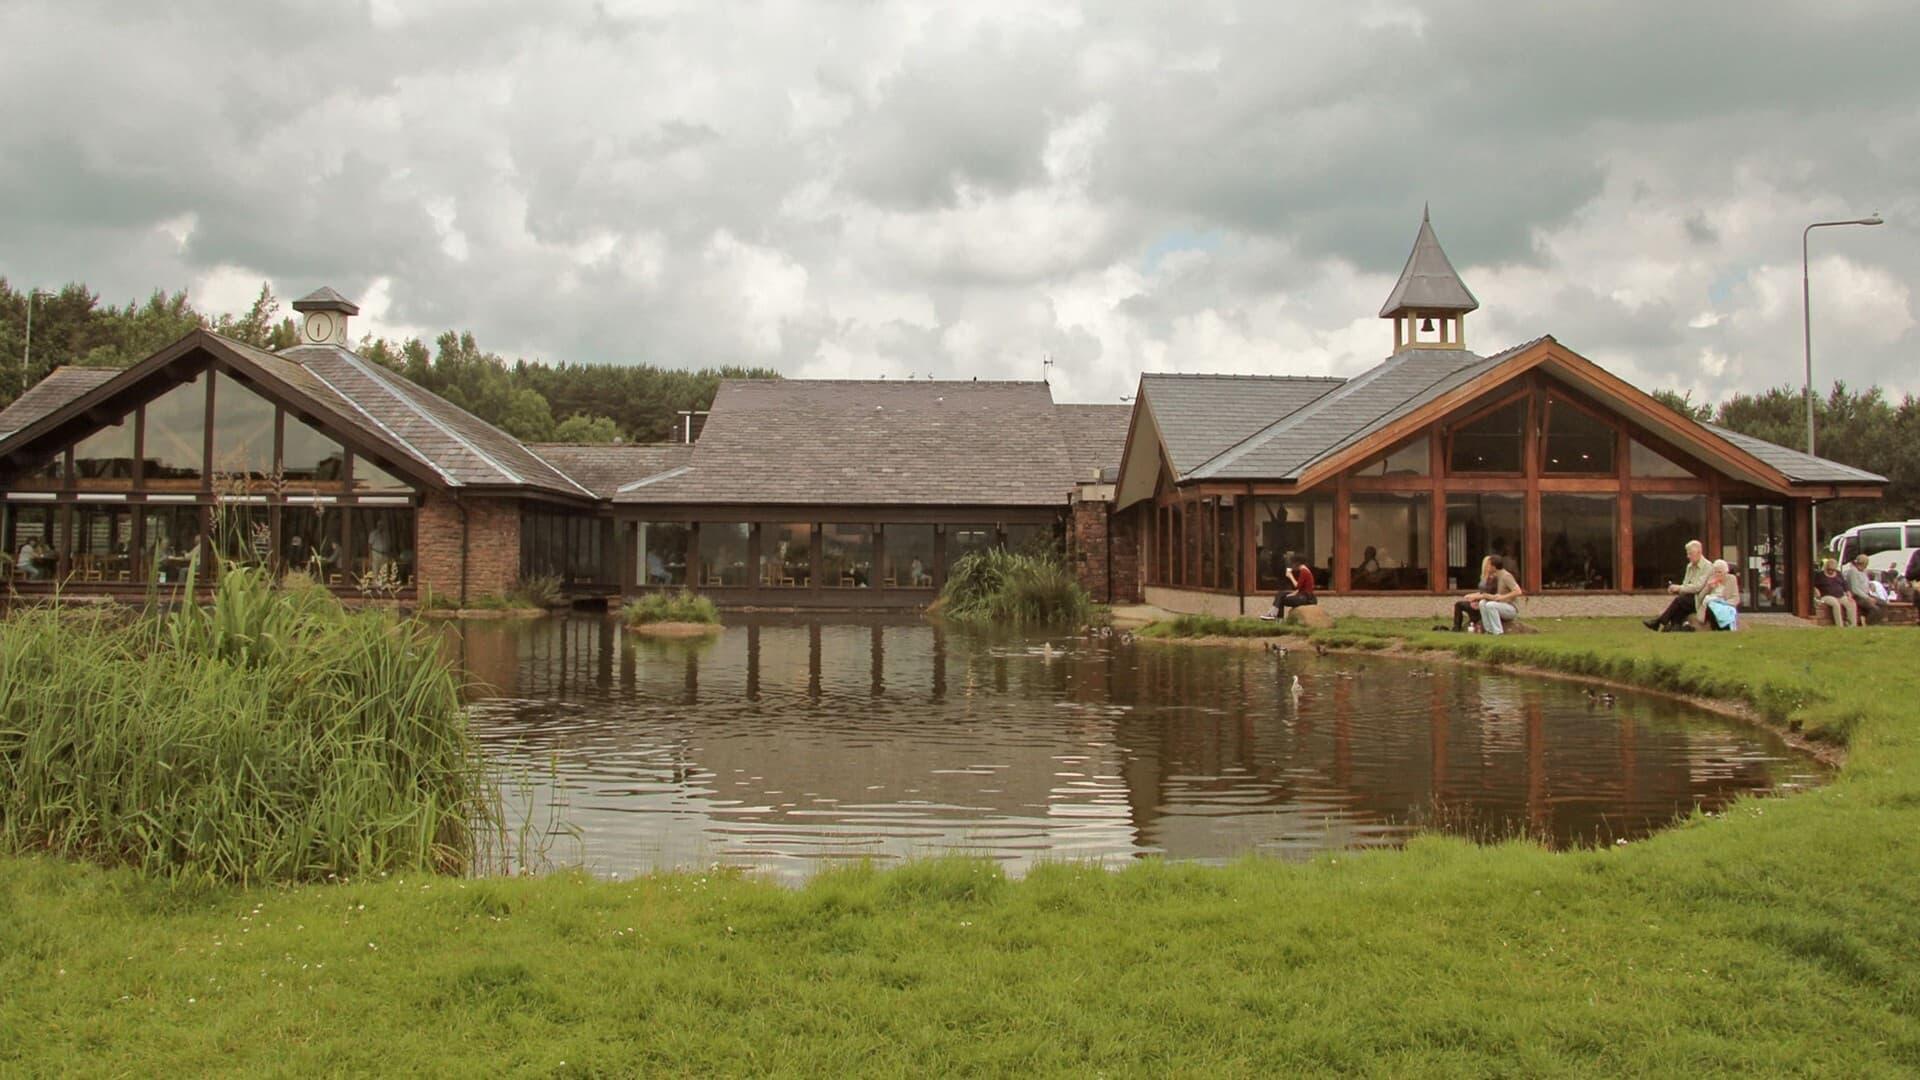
325	321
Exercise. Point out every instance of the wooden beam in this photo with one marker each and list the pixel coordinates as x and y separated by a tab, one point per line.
1800	549
1342	536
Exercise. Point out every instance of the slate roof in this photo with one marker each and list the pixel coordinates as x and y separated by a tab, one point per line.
1428	281
1202	415
325	298
464	449
1798	466
1096	436
61	385
857	442
602	469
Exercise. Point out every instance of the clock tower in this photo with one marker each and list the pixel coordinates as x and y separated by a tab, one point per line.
324	316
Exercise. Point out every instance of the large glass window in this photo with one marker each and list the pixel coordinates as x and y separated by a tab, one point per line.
1662	525
369	476
242	533
1388	541
1033	539
1203	513
380	548
1577	540
1491	444
1303	526
723	553
1413	459
661	553
1645	461
963	540
102	543
1481	525
1576	442
29	550
846	556
1227	540
310	543
786	555
45	474
309	460
172	540
104	459
909	556
242	431
175	445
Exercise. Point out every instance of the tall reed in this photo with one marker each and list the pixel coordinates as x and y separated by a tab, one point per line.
1018	588
269	736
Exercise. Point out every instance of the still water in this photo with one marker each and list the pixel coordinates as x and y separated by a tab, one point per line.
785	744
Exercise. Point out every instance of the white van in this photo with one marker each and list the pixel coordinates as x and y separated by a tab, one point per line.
1888	545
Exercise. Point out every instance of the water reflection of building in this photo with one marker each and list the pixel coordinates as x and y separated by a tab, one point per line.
886	735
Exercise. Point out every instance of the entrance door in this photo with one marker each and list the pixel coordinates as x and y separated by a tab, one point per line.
1753	540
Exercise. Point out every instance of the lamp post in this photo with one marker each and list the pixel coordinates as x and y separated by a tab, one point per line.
1806	329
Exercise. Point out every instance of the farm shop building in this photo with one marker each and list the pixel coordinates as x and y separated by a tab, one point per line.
1395	483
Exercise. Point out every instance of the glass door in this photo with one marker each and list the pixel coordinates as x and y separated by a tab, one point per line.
1753	540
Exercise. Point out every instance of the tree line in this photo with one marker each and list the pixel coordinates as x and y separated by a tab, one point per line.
537	402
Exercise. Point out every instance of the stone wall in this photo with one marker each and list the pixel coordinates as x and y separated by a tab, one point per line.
493	545
1102	549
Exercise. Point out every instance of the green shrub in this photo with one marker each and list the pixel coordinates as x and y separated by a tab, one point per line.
270	736
680	607
541	591
1018	588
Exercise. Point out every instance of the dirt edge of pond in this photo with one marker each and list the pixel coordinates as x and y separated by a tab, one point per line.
1827	754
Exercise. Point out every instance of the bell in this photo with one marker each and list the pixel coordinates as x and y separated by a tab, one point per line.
1427	324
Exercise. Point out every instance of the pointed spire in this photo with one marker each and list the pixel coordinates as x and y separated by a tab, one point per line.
1428	283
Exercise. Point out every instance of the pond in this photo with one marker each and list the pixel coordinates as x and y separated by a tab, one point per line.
788	743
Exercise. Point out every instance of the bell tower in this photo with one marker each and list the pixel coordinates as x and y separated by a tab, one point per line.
324	320
1429	298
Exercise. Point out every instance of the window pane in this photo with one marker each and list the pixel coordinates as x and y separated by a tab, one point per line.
369	476
1662	525
309	460
723	553
1303	526
1203	539
1228	541
172	540
846	556
909	556
1576	442
242	431
310	543
104	459
29	547
1388	541
44	475
1482	525
1878	539
1753	541
1577	540
1413	459
380	548
786	555
175	448
1033	539
661	553
242	533
1491	443
102	539
964	540
1651	463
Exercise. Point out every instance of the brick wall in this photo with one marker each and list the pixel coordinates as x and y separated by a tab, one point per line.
1099	541
493	545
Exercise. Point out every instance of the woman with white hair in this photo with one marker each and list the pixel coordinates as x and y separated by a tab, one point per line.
1720	598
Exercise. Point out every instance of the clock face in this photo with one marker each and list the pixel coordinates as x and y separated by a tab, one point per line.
319	326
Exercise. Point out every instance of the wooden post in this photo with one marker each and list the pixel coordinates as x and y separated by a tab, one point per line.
1437	545
1799	550
1342	536
1623	512
1712	537
1530	462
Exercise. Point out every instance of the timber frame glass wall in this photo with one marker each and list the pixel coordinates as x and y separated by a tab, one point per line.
209	466
812	556
1576	497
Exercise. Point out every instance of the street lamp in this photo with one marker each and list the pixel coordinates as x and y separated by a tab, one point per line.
1806	327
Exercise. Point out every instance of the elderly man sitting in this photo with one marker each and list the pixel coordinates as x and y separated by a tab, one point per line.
1860	586
1686	595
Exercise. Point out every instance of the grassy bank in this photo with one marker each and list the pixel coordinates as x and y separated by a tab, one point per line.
269	736
1776	938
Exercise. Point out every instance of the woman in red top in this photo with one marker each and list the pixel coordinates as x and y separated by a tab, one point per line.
1298	590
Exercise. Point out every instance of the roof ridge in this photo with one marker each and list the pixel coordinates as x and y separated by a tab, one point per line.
1237	375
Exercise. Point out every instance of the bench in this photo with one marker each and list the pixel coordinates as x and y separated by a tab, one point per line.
1898	613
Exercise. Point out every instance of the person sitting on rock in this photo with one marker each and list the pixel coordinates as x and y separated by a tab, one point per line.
1297	590
1686	595
1466	610
1720	598
1496	604
1870	608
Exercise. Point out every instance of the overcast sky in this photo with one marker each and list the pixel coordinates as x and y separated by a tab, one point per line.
961	189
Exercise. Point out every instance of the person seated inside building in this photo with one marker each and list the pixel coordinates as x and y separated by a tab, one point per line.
1830	592
32	562
1368	575
1466	610
1497	604
1720	598
1298	588
1871	608
1686	595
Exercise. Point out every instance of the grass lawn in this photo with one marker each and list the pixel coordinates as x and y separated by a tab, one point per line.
1780	937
